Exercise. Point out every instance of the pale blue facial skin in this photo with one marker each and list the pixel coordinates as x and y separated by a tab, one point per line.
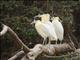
35	18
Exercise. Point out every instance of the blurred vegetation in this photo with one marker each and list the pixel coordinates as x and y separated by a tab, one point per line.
19	14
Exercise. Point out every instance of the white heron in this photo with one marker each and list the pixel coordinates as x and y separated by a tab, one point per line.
46	30
58	28
44	17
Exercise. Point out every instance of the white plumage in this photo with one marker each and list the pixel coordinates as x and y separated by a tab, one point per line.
58	28
45	29
44	17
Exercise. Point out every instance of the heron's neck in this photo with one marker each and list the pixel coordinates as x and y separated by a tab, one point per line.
38	22
45	19
55	20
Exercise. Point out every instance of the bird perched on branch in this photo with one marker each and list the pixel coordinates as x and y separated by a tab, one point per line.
45	29
44	17
58	28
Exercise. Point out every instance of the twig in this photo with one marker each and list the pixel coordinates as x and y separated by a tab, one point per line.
16	55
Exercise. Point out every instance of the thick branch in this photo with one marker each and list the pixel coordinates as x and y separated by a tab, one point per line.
4	30
18	40
48	50
15	36
16	55
39	48
24	58
56	49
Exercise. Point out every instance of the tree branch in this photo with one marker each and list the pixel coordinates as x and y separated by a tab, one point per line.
16	55
49	50
4	30
18	40
15	36
38	49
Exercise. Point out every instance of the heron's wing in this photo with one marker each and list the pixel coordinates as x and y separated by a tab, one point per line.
50	30
46	29
42	29
59	29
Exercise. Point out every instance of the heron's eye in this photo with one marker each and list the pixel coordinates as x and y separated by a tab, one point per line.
50	20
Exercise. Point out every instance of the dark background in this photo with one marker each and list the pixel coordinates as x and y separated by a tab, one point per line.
19	14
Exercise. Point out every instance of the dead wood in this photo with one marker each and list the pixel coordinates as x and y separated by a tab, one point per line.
38	49
4	30
18	40
15	37
20	53
49	50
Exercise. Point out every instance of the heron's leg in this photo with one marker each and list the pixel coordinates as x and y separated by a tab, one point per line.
56	42
49	41
60	41
44	41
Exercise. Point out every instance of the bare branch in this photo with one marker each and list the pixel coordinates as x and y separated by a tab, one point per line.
4	30
18	40
48	50
15	36
77	50
16	55
37	50
56	49
24	58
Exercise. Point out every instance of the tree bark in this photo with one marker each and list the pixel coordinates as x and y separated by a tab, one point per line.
15	37
38	49
16	55
18	40
4	29
49	50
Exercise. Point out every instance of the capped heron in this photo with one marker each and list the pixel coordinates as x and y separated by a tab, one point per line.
45	30
58	28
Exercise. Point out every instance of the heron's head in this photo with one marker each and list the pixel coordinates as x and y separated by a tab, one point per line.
55	18
35	19
44	17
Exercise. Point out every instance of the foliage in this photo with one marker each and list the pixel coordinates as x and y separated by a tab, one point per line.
18	15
